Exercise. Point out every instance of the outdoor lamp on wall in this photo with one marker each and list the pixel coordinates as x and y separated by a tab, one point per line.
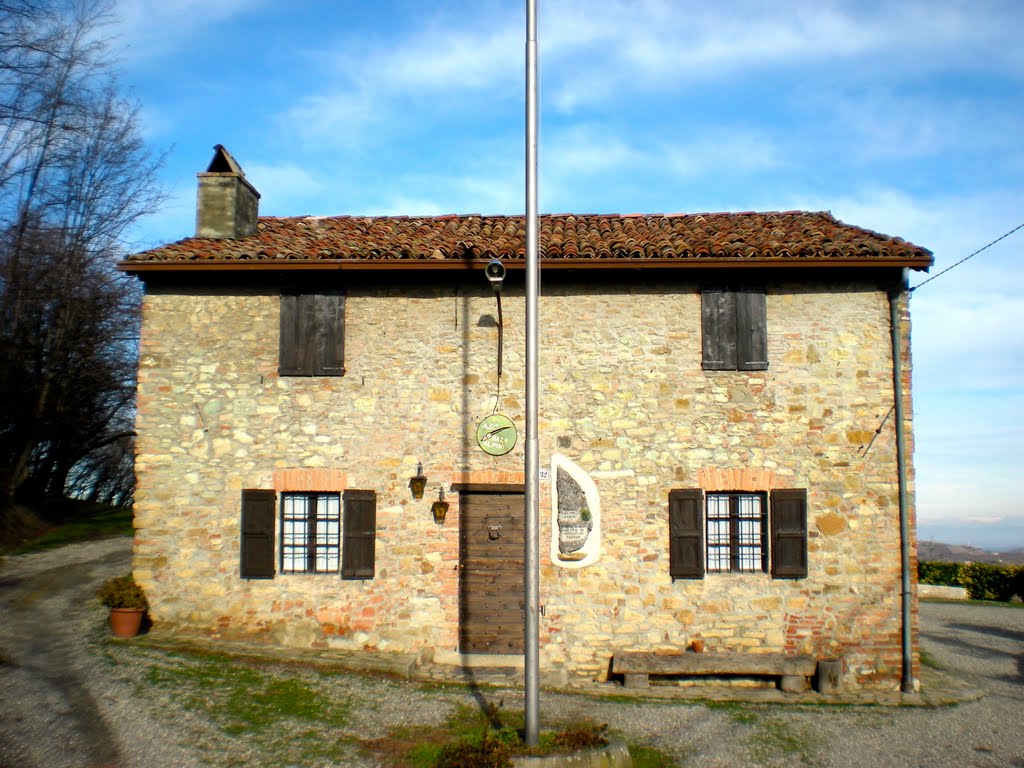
439	507
418	483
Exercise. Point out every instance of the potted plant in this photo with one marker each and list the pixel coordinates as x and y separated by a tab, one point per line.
127	603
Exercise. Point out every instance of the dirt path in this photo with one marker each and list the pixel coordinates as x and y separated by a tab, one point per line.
50	716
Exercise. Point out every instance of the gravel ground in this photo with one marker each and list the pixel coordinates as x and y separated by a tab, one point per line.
70	697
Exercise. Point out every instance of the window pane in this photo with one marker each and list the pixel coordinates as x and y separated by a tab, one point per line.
718	505
328	532
294	533
311	533
718	539
750	506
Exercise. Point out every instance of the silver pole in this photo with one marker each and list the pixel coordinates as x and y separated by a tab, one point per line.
532	545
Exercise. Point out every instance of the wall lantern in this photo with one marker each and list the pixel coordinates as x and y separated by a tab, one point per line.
418	483
439	507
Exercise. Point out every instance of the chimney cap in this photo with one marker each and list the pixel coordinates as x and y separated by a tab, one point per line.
223	162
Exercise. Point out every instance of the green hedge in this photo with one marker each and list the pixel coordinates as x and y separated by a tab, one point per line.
935	572
992	582
983	581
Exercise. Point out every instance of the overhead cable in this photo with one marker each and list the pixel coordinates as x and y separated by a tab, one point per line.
965	258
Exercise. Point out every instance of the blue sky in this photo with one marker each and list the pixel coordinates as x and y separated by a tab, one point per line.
903	117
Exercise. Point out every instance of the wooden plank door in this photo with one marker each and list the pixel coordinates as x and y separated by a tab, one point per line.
491	600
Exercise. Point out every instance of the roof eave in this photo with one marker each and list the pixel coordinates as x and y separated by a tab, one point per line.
368	265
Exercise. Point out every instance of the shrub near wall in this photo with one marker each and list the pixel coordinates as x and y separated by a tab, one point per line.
983	581
942	574
992	582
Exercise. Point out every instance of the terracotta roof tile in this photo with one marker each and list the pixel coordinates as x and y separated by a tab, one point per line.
787	236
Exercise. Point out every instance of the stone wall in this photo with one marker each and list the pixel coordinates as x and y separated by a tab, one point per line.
622	395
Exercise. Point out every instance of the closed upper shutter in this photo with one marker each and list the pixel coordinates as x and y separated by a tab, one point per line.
312	340
330	330
734	329
289	361
789	534
686	534
360	532
718	329
751	330
257	540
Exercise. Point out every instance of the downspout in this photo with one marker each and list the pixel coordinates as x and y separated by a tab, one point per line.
907	680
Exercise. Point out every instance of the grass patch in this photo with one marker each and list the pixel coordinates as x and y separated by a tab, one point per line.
771	736
649	757
279	710
1011	604
242	697
475	737
68	521
737	711
775	738
927	660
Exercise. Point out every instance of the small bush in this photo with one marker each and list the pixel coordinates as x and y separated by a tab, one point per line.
985	581
487	753
935	572
585	737
122	592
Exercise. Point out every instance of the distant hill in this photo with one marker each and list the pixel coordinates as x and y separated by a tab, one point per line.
961	553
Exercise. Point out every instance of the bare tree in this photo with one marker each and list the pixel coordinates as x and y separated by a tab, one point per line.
74	175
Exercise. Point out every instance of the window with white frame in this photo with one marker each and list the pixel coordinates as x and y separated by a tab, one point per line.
737	533
310	532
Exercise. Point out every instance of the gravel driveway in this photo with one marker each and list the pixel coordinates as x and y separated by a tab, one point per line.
70	697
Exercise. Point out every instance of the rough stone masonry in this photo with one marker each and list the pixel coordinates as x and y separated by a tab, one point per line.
622	394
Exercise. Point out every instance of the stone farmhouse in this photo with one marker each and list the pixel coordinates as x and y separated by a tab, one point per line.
717	431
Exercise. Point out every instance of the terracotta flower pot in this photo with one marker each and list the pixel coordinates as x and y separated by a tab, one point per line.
126	622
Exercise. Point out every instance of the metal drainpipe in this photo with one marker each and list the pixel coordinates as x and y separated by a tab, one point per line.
907	681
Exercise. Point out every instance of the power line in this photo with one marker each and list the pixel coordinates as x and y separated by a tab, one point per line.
965	258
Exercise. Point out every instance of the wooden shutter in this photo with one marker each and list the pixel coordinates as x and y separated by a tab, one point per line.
789	534
312	341
294	322
686	533
330	333
751	330
257	540
360	532
718	329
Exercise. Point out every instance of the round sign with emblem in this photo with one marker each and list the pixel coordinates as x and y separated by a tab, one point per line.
496	435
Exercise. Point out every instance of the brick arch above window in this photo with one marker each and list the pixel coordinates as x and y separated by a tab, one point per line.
744	479
309	480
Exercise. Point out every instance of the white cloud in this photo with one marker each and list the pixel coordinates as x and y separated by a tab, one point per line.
450	70
434	195
286	189
403	205
725	153
480	55
588	150
149	28
607	49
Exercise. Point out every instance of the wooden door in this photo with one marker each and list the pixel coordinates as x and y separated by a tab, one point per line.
491	556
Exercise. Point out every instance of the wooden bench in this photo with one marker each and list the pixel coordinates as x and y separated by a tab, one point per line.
636	667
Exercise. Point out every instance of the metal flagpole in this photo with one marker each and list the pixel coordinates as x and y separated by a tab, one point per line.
532	544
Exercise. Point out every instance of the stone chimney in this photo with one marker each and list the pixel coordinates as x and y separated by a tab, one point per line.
227	204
